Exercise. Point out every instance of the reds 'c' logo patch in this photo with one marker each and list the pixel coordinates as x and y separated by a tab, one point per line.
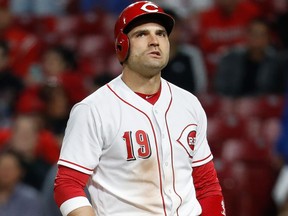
187	139
191	139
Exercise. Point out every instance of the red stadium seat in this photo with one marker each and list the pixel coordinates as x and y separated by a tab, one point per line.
247	188
221	128
270	106
210	103
248	151
246	175
246	107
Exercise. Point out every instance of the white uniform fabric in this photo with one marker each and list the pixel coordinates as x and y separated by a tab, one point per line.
140	156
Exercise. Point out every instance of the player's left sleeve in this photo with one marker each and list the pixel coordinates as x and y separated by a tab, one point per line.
208	190
202	153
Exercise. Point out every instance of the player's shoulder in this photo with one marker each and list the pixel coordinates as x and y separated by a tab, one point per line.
186	100
99	96
180	93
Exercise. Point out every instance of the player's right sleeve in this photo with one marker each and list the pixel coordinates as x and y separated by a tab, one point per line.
80	152
69	190
82	144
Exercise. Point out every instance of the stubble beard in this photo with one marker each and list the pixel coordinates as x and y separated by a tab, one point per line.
148	67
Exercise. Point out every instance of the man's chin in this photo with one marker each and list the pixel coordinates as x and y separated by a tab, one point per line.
156	63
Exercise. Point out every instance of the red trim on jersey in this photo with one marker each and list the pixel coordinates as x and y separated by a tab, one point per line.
208	190
171	150
90	170
202	159
69	183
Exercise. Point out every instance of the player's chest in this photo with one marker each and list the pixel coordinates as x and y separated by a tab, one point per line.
153	133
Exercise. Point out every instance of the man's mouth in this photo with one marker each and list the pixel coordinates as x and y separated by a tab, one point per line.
155	53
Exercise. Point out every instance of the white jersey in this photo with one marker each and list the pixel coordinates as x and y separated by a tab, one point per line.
140	156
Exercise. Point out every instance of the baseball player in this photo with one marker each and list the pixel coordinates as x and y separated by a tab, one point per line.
139	142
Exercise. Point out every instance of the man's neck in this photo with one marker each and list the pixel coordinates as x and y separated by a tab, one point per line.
141	84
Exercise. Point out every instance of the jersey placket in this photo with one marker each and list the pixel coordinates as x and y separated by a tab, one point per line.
171	198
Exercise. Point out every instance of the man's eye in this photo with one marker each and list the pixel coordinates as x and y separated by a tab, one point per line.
162	34
141	34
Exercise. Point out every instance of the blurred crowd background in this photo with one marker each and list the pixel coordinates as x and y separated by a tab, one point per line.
232	54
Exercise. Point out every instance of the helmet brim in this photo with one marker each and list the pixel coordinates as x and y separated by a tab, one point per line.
163	19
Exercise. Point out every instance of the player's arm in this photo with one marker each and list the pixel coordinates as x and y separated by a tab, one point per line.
82	211
69	192
208	190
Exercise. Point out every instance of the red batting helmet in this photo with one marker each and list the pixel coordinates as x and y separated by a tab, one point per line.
134	12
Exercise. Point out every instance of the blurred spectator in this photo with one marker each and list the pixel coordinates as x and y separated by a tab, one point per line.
50	208
60	68
38	147
186	66
222	27
24	46
280	23
253	70
56	109
189	12
184	7
16	198
100	80
10	86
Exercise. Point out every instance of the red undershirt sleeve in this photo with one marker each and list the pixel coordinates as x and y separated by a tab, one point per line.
69	184
208	190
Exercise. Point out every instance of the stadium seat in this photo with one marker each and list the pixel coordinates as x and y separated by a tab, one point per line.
210	103
270	106
248	151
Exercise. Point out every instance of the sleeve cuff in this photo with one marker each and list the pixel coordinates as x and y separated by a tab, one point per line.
203	161
72	204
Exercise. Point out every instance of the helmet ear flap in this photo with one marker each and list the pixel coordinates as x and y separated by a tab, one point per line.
122	46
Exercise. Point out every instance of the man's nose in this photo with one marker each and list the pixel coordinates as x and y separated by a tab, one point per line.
153	40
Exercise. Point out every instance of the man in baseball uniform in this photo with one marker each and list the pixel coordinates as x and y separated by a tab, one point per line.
139	142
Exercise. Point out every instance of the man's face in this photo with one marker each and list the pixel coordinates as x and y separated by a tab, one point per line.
149	49
53	63
258	36
10	171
